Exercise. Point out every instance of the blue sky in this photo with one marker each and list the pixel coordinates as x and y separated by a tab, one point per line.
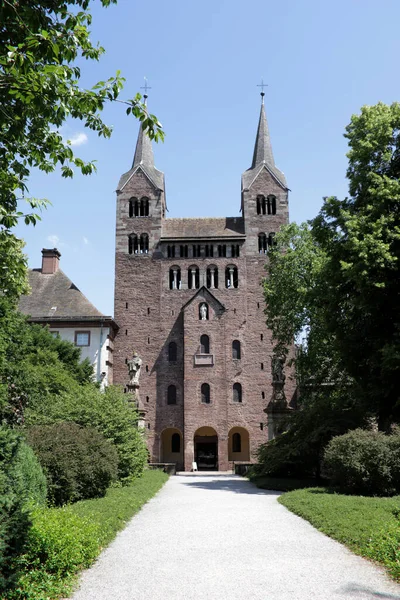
322	61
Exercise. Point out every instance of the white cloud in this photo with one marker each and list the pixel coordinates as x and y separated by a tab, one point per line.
78	139
54	239
85	241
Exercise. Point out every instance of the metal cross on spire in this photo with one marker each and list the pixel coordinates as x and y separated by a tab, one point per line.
262	85
146	87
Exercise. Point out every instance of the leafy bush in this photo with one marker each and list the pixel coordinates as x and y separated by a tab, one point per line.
108	411
59	544
79	462
365	462
22	484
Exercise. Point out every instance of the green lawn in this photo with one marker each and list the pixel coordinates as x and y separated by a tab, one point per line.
368	526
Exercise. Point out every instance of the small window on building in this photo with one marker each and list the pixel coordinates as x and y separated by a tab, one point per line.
222	250
212	277
209	249
237	392
55	334
175	443
271	205
262	366
236	443
235	251
184	251
133	207
231	277
262	426
144	207
175	281
271	240
196	250
262	243
204	344
171	251
261	205
263	395
82	338
144	243
172	352
133	244
236	351
193	278
261	336
171	394
205	393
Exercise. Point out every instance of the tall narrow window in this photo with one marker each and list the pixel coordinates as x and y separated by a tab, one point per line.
196	250
171	251
144	207
235	251
222	250
193	278
258	205
204	344
175	443
262	243
172	352
133	244
272	205
205	393
271	240
209	249
175	278
171	394
236	443
212	277
237	392
132	207
144	243
184	251
231	277
236	351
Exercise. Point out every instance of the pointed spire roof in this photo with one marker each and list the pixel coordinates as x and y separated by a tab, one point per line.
262	156
144	160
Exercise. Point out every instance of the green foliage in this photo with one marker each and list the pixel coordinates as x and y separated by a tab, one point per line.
79	462
39	90
108	411
368	526
65	540
365	462
22	486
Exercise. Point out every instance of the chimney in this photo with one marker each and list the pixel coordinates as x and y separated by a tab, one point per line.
50	261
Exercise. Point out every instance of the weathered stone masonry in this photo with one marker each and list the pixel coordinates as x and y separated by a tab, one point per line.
225	426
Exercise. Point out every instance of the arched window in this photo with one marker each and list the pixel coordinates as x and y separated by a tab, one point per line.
176	443
271	205
193	278
203	311
171	251
171	394
175	281
271	239
133	207
261	206
262	243
205	393
212	277
237	392
236	443
231	277
144	243
236	351
172	352
222	250
204	344
144	207
133	244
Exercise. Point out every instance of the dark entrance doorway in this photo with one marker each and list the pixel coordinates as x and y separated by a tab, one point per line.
206	453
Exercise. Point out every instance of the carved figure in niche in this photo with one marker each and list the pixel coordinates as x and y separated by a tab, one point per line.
278	376
134	367
203	311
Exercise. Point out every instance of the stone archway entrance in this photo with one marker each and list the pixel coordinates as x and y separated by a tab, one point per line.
206	449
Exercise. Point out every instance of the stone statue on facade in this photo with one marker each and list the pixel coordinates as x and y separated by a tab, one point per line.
278	375
134	367
203	311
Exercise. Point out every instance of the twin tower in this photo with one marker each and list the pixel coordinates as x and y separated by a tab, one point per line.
189	302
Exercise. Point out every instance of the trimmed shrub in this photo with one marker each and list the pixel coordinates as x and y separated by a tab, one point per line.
79	462
109	412
364	462
22	485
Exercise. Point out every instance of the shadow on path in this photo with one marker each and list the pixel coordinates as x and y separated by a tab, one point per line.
354	590
228	484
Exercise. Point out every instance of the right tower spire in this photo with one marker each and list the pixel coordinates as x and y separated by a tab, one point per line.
262	147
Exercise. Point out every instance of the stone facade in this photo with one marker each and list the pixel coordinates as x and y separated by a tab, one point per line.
219	262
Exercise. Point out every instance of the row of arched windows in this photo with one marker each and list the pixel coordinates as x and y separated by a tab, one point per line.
266	205
138	244
139	208
212	281
265	242
204	393
204	349
176	442
222	250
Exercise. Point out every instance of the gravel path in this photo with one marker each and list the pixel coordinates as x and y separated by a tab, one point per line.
217	537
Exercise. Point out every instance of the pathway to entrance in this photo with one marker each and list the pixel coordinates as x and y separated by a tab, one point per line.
217	537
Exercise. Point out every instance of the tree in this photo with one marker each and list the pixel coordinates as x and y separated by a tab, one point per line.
40	44
361	238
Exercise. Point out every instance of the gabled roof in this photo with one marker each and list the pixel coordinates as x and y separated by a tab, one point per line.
54	296
212	228
209	296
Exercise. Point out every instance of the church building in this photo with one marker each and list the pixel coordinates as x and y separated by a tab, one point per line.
189	302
